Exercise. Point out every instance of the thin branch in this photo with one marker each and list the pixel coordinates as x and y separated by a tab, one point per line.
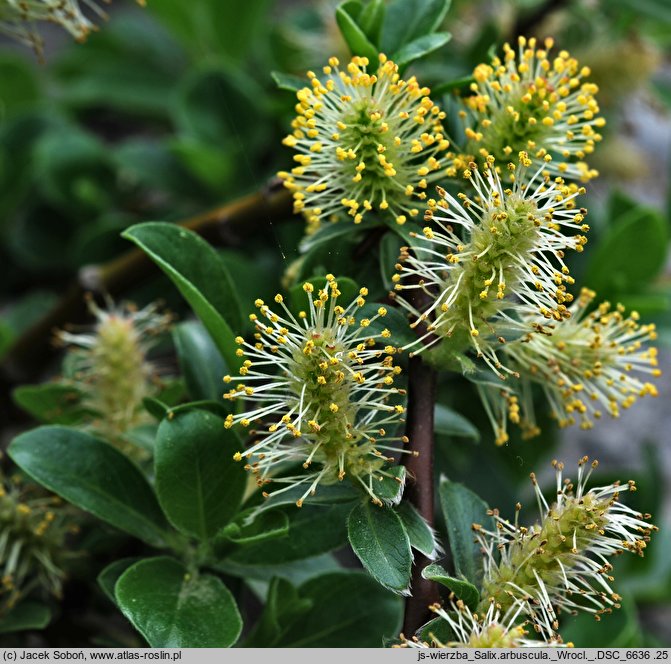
27	356
419	429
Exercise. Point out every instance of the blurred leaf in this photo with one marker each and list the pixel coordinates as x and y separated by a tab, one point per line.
329	231
371	18
451	423
421	535
200	276
630	254
390	250
211	164
461	509
420	47
288	81
448	86
462	590
20	85
211	26
53	403
27	615
174	608
355	37
201	363
92	475
407	20
346	616
381	543
198	483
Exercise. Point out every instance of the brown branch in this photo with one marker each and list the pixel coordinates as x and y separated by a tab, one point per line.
27	356
419	429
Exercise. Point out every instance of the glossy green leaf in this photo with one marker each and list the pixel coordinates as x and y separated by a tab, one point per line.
390	489
173	608
198	483
462	590
92	475
201	363
112	573
313	530
371	18
54	403
353	612
421	535
436	631
379	540
451	423
26	615
420	47
462	508
355	37
407	20
200	276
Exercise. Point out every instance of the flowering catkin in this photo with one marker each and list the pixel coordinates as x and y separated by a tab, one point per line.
365	141
321	392
561	562
488	256
530	101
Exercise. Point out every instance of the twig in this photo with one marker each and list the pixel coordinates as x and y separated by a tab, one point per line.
419	430
28	354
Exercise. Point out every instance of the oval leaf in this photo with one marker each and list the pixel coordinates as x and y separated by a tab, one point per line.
382	545
198	484
422	536
173	609
461	509
452	423
200	276
462	590
420	47
92	475
354	36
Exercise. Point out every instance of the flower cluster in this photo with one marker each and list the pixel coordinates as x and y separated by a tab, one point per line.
491	629
561	562
593	363
365	141
530	101
111	370
484	259
33	528
322	393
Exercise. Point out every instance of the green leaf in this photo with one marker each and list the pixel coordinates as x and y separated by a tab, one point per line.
313	530
332	230
354	612
390	489
200	276
421	535
20	86
379	540
371	18
198	484
25	616
92	475
54	403
448	86
282	609
407	20
451	423
615	267
288	81
112	573
201	363
266	525
395	321
462	590
173	608
354	36
420	47
436	630
461	509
